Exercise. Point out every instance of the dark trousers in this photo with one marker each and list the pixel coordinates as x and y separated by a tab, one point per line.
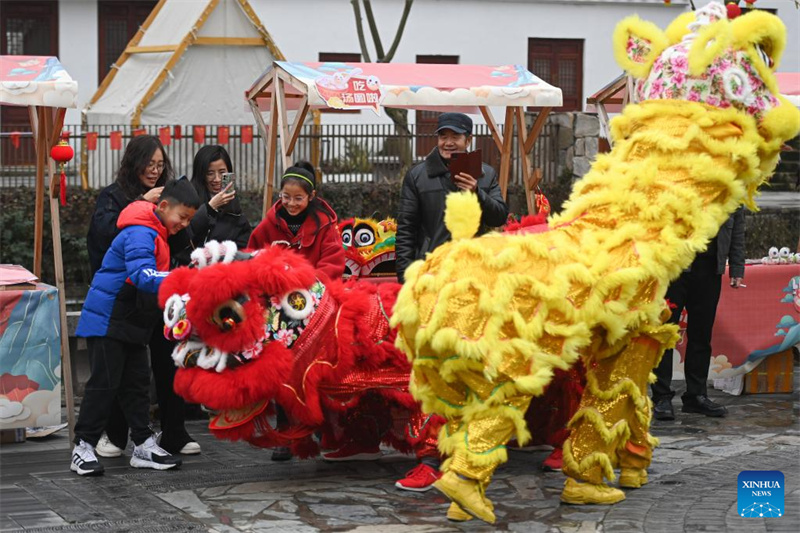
698	291
171	406
118	370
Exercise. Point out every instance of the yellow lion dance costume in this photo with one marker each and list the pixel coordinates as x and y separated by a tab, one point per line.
485	321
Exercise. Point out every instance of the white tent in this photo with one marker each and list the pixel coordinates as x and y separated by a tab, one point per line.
189	63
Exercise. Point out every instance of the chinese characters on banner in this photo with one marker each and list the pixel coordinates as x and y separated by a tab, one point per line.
350	90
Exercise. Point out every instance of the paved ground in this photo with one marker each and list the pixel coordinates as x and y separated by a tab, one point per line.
233	487
779	199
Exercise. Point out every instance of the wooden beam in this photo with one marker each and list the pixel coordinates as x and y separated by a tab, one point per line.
272	152
523	155
251	15
125	55
262	129
156	49
301	87
298	124
229	41
39	142
505	153
281	121
536	129
489	118
259	88
54	121
316	153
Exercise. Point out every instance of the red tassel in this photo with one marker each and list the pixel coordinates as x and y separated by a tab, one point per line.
223	134
15	139
62	186
247	134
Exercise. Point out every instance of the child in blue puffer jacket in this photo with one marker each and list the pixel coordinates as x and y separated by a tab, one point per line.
117	319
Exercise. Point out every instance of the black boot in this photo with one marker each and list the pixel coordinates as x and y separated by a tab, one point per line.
701	404
662	409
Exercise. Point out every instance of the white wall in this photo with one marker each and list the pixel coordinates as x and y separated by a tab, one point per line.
77	49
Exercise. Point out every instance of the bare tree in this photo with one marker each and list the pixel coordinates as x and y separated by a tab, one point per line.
398	116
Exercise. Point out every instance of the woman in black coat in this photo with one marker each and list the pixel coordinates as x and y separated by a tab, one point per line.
220	217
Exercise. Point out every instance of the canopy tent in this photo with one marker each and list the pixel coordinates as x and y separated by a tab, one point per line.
186	65
467	88
43	86
614	96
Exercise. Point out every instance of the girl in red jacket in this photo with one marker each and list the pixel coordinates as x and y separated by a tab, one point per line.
303	222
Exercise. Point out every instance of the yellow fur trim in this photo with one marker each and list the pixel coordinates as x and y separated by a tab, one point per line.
587	463
679	27
462	216
765	29
708	44
634	27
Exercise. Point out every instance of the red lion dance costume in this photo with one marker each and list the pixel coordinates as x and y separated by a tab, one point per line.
264	329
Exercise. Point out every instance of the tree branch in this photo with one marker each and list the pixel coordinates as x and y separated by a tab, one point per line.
400	29
373	29
360	30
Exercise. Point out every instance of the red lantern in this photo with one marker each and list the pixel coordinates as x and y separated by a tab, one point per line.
63	153
733	10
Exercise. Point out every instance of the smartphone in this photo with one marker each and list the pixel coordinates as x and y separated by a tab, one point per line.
228	177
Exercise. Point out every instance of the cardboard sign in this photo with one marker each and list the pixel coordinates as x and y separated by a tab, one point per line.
350	90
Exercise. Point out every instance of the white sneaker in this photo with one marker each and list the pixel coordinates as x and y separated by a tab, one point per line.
84	461
106	448
150	455
191	448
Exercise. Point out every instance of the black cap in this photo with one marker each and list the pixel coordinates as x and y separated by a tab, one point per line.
458	122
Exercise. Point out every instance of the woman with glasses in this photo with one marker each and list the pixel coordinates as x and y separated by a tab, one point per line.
304	222
220	217
142	173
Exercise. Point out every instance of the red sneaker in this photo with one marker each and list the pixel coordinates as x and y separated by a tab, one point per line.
554	461
353	451
419	479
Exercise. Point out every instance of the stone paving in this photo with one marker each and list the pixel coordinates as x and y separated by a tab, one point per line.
233	487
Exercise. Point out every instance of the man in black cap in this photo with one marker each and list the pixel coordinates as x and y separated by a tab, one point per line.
420	220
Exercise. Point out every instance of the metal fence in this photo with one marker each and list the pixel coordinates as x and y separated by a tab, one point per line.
363	153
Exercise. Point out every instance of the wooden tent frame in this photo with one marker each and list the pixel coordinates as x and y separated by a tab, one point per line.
190	39
46	126
273	85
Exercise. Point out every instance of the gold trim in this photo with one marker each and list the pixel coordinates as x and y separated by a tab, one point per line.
151	49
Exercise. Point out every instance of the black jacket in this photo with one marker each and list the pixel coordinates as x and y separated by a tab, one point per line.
210	225
420	218
727	246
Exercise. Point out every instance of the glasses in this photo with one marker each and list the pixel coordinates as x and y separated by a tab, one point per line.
286	199
153	165
213	174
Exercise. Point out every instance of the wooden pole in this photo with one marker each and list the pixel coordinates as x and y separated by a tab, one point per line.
38	210
53	122
505	157
272	151
523	155
281	121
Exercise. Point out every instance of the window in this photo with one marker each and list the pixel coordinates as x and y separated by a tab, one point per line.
27	28
118	22
339	57
559	62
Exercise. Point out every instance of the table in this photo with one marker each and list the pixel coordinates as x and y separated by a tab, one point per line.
30	357
752	323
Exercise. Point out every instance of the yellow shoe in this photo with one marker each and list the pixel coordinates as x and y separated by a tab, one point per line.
632	478
467	494
579	493
457	514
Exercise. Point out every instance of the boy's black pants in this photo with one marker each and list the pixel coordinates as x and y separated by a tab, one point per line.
171	406
118	370
698	291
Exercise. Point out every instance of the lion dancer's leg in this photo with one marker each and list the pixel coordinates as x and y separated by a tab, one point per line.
475	443
611	427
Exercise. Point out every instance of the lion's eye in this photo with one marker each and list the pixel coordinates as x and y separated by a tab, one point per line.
364	235
297	304
764	56
230	313
347	236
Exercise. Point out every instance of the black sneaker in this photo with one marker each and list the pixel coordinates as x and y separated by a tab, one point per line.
150	455
281	453
701	404
662	409
84	461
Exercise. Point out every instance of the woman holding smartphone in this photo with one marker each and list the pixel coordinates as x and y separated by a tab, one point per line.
220	217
